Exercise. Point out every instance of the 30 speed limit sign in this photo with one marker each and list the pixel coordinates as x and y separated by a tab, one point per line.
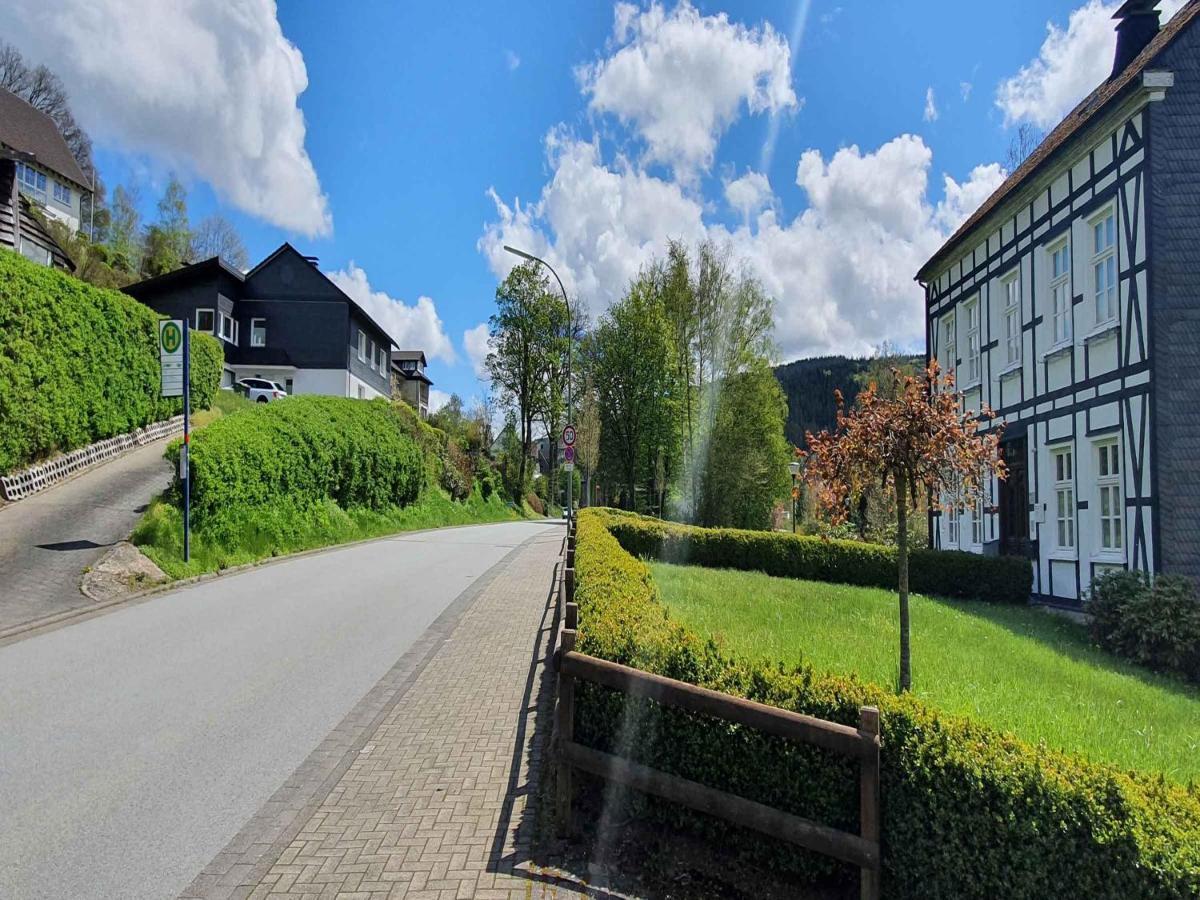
569	436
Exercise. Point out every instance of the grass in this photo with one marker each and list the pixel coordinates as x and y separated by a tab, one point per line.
224	403
1019	669
254	535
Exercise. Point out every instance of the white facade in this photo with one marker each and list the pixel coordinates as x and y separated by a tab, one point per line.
327	382
1043	319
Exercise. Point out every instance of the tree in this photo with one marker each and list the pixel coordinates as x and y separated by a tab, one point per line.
917	435
167	244
124	248
216	236
587	437
1023	143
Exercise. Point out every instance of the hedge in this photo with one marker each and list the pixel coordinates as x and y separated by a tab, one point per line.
968	812
944	573
80	363
303	450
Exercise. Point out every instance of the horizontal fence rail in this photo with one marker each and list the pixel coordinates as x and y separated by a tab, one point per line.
861	743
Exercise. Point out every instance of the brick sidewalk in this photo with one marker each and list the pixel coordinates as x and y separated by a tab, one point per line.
436	802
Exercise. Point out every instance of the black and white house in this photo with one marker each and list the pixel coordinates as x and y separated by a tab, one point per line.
1070	304
283	321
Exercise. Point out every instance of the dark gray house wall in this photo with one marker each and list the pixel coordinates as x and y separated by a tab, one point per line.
364	370
1174	305
300	331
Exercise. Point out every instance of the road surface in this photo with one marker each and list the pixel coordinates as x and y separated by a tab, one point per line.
136	744
47	540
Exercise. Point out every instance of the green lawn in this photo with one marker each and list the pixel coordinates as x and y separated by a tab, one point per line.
1020	669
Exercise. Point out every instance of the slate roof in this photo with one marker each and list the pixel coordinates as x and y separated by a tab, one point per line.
1057	139
31	131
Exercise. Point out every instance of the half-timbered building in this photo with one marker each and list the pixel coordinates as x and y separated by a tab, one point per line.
1069	303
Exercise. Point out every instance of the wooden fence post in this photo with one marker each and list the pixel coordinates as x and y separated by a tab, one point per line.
571	618
569	581
565	715
869	812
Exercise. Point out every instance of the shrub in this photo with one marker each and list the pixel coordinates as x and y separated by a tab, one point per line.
535	503
1155	625
305	450
968	812
80	363
457	472
944	573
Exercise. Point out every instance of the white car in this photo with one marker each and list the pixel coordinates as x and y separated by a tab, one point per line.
260	390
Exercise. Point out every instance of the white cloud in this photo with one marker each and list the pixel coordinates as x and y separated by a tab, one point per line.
511	60
965	88
680	79
931	110
416	327
749	194
437	399
1070	64
208	88
477	343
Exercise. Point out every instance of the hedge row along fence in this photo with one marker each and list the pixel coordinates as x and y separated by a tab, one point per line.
944	573
968	812
300	452
79	364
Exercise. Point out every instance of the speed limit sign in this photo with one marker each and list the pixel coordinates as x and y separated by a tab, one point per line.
569	436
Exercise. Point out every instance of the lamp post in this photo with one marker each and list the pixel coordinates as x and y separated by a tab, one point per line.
795	467
567	303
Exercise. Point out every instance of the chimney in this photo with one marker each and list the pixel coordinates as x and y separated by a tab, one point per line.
312	261
1137	24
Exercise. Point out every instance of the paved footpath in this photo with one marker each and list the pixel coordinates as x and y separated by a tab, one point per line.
433	800
47	540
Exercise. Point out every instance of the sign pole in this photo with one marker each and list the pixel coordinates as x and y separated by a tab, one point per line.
187	435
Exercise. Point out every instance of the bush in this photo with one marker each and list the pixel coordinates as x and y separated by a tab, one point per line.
1157	626
305	451
80	363
536	503
967	811
457	472
944	573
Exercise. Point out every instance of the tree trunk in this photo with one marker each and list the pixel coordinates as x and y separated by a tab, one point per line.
902	558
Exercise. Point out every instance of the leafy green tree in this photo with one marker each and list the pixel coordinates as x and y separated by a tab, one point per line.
124	248
167	244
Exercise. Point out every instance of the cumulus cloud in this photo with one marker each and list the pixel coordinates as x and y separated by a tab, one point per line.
931	110
207	88
476	341
841	270
680	79
1070	64
749	194
415	327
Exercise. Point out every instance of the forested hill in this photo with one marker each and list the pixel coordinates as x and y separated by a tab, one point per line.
809	384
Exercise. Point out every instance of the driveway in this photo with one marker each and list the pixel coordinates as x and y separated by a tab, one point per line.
47	540
136	744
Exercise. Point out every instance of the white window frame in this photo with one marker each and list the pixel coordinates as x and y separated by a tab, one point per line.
974	346
32	179
1110	499
1062	472
362	345
1105	278
62	193
950	339
1060	291
213	324
258	332
1010	287
977	522
222	319
383	361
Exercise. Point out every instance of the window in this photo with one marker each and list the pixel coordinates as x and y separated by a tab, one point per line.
1060	291
258	332
383	360
32	179
1104	266
62	193
953	525
362	345
950	340
205	320
373	356
229	328
973	342
1011	288
1064	498
1108	480
977	521
35	252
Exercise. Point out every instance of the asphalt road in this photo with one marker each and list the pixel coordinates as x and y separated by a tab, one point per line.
134	745
47	540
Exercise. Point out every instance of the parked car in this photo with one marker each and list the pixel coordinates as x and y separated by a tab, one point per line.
260	390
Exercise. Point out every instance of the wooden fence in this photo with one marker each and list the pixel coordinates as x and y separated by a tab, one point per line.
861	743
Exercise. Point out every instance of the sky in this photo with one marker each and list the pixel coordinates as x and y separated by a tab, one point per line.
832	145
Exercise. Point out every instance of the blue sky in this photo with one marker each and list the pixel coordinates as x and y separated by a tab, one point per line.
613	126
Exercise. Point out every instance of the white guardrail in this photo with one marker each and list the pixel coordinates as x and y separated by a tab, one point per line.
19	485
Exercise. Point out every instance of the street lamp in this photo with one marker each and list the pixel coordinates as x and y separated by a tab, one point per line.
567	304
795	467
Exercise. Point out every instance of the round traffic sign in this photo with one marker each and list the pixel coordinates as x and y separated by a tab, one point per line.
569	435
171	337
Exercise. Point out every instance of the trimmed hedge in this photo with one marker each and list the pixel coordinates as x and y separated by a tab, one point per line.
301	451
79	363
969	812
943	573
1155	625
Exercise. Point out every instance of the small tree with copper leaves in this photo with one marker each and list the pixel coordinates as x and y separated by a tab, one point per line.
915	435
